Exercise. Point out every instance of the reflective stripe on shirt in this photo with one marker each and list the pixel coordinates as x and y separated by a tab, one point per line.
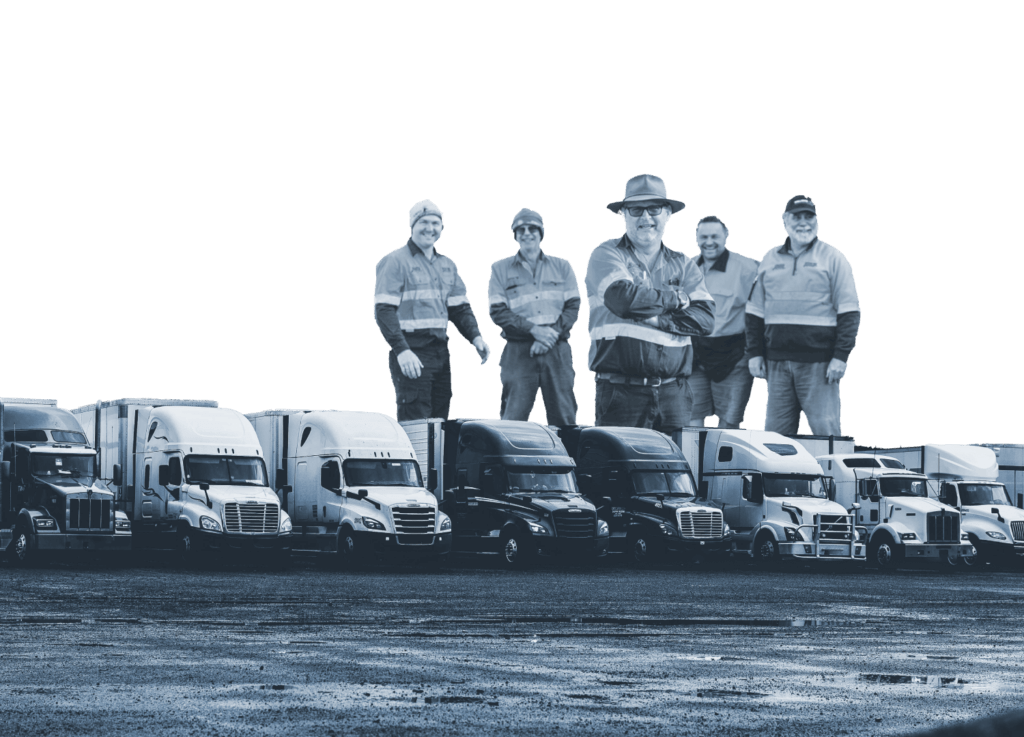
540	295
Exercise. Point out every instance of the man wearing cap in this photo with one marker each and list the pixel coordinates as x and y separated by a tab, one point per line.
802	320
535	301
645	303
721	380
418	291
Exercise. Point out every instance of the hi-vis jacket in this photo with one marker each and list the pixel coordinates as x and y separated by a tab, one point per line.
626	298
415	297
521	299
803	308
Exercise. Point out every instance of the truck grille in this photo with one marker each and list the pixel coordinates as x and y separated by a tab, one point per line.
836	528
700	523
569	524
90	514
943	527
414	525
250	518
1017	528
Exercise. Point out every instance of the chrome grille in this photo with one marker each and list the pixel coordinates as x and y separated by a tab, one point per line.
414	525
836	528
700	523
250	518
943	527
90	514
575	524
1017	528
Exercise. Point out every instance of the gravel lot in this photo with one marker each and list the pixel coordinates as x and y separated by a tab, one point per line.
468	650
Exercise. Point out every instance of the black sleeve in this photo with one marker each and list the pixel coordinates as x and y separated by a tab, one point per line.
627	300
387	320
515	326
697	319
570	313
755	336
847	325
465	321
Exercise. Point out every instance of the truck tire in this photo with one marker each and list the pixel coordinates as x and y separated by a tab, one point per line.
643	550
515	549
350	555
884	553
20	552
765	551
189	547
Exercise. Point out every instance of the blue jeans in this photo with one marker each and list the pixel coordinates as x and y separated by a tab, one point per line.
522	375
664	408
726	398
793	387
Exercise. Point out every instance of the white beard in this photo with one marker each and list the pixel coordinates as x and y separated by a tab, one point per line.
802	239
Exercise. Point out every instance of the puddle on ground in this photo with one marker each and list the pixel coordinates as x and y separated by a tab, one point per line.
899	679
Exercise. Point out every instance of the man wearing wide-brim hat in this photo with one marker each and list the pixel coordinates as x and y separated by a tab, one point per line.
646	301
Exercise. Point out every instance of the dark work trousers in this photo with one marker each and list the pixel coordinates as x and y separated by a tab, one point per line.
551	372
664	408
431	394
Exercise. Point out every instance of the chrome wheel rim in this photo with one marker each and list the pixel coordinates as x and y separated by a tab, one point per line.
640	550
511	550
767	550
21	546
884	555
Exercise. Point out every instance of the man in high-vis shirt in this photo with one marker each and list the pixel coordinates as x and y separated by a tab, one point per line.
418	292
535	301
646	301
721	380
802	320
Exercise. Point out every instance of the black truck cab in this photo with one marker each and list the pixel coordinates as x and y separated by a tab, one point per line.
643	487
510	489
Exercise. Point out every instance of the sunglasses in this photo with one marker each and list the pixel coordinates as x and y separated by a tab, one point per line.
523	229
652	210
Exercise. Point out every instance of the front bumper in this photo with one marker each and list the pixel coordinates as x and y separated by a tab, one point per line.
392	545
281	543
588	547
935	552
688	547
822	551
116	542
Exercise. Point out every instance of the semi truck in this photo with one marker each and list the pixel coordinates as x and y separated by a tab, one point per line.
190	475
642	486
966	477
50	499
772	494
1011	469
892	504
352	485
509	489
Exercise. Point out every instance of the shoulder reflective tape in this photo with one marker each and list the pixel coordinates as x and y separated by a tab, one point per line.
639	332
457	300
387	299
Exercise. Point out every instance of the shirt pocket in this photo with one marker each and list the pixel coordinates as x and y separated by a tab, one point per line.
514	285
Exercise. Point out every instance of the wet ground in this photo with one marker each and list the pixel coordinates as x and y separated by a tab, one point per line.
150	649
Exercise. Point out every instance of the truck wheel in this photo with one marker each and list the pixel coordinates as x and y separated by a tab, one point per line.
643	550
884	553
20	552
349	554
515	549
977	560
189	546
766	551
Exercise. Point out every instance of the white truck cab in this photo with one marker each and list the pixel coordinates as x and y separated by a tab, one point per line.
352	484
892	505
773	495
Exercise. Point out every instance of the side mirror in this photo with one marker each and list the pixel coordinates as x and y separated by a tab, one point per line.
330	476
463	477
831	489
117	474
606	501
703	490
175	472
284	492
5	470
164	475
282	478
752	489
362	493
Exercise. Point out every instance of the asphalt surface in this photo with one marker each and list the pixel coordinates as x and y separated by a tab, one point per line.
149	649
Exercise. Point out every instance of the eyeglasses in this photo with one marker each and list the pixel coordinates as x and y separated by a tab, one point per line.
652	210
522	230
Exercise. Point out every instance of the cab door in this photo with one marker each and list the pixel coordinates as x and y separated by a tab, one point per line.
152	505
727	492
303	501
330	500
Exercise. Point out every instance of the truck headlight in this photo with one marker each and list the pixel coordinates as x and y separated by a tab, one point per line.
965	537
602	528
908	536
667	529
446	523
994	535
46	523
209	523
726	529
537	529
371	524
793	535
286	523
122	524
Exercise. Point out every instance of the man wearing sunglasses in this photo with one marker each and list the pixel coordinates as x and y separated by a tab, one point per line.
418	291
646	301
535	301
801	323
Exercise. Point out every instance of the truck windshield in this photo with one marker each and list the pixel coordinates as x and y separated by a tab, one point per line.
363	472
541	480
46	464
976	494
794	486
225	471
668	483
904	487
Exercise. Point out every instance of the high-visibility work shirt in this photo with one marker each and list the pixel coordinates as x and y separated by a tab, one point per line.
416	296
626	296
729	280
800	300
522	298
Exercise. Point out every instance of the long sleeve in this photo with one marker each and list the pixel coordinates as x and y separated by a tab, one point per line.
386	316
515	327
387	297
755	336
847	325
570	313
697	319
633	302
459	311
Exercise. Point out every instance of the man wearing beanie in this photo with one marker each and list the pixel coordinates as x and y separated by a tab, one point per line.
646	301
535	301
418	291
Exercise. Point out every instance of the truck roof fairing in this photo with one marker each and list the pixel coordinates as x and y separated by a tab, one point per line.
351	434
202	430
38	416
766	451
517	443
839	468
146	403
629	444
961	462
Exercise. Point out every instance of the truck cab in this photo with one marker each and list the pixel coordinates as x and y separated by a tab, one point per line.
509	488
772	494
352	485
50	499
642	487
892	505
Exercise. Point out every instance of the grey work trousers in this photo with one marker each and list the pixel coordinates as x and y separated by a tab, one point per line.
522	375
794	386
